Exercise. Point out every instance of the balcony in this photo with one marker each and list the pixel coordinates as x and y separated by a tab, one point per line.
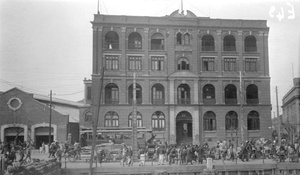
158	101
111	46
135	46
253	101
209	101
157	47
184	101
229	48
251	49
230	101
208	48
138	101
111	101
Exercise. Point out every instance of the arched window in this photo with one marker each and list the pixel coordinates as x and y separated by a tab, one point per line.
139	121
183	64
230	94
134	41
158	120
111	40
252	94
157	42
111	94
231	120
88	117
250	44
209	121
158	94
229	43
208	43
209	94
179	38
253	121
187	38
111	119
138	94
183	94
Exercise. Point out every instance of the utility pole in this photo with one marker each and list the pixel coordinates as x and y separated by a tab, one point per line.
241	109
134	121
50	118
96	119
278	118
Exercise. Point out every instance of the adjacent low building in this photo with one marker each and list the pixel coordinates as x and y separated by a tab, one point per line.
26	117
291	110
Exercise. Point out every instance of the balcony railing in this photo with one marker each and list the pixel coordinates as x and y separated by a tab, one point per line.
229	48
111	46
157	47
252	101
208	48
209	101
111	101
230	101
158	101
184	101
251	49
134	46
138	101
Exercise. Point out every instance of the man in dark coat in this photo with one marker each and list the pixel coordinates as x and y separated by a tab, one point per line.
200	152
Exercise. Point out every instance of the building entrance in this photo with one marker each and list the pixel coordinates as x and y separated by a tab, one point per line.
14	134
42	135
184	128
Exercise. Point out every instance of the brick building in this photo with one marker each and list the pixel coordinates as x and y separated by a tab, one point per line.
27	115
198	79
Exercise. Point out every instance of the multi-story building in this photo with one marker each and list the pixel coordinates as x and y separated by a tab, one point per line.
291	110
198	79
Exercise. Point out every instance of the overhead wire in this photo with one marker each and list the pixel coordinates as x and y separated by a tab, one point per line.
37	91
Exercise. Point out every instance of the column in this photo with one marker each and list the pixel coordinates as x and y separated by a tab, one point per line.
146	48
172	126
25	133
123	58
172	92
196	95
196	128
218	44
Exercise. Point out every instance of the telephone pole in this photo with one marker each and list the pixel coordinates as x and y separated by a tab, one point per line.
96	119
241	109
278	118
50	118
134	121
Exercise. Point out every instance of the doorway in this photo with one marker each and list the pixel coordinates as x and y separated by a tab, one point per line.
184	128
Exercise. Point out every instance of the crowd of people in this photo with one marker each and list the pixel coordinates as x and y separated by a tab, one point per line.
11	149
223	150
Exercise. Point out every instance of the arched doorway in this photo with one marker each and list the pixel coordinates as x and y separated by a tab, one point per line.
184	128
14	134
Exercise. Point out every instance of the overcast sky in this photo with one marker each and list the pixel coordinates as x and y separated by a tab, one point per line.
47	44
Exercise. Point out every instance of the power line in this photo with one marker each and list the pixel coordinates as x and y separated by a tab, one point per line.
69	93
37	91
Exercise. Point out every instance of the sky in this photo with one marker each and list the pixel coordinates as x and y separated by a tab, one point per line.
47	44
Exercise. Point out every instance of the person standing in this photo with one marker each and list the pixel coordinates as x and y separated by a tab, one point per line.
161	155
124	153
43	148
200	152
129	156
100	156
142	157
